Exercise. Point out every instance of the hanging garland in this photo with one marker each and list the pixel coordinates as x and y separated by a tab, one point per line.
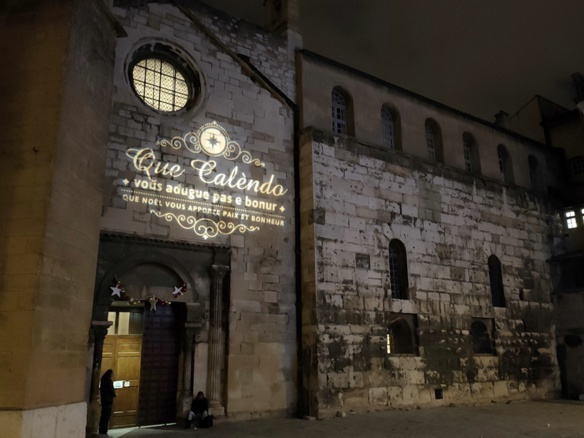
119	292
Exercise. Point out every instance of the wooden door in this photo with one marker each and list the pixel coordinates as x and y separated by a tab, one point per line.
122	353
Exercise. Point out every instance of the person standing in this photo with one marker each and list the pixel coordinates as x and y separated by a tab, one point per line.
107	394
199	410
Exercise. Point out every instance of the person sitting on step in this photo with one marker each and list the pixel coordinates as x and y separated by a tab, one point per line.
199	411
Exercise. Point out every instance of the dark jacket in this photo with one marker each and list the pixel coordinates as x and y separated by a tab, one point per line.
198	406
106	391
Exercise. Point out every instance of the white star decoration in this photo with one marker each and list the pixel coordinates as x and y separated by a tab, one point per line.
126	182
152	301
116	291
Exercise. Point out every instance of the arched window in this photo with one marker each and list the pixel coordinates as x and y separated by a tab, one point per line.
496	279
471	153
535	177
481	339
388	128
401	337
398	269
505	166
433	141
341	107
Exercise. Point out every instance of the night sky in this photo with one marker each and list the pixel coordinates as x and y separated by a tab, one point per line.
478	56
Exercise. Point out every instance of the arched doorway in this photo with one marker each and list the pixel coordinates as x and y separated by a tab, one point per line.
151	299
143	348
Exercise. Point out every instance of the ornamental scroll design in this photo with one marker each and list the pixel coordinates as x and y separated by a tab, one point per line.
204	227
213	140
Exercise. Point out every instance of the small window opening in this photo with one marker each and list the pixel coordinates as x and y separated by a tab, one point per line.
126	322
505	165
398	270
431	141
467	156
388	128
571	219
434	141
401	336
438	394
496	280
339	108
572	341
481	339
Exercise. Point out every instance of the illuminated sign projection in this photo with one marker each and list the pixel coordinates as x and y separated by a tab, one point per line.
218	202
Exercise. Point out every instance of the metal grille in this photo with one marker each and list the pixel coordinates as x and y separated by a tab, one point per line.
160	85
431	142
387	128
394	272
339	113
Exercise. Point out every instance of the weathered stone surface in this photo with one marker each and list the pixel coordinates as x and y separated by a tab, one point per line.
449	226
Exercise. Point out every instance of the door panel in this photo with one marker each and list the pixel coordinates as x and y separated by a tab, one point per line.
123	354
128	351
107	357
160	365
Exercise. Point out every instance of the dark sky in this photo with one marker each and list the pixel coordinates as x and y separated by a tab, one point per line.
478	56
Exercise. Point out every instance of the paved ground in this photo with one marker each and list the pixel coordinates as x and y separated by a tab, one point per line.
544	419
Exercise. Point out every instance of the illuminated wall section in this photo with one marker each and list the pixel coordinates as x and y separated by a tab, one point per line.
224	197
217	173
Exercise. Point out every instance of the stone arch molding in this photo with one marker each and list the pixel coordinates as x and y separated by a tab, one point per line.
155	257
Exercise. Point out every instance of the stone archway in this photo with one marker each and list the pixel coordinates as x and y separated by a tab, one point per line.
133	262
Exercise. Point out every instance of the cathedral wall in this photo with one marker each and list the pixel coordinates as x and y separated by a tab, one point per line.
189	204
449	223
56	101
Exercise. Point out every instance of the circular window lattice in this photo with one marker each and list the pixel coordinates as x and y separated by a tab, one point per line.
162	79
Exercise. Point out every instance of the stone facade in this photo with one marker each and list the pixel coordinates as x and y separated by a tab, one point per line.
257	373
359	197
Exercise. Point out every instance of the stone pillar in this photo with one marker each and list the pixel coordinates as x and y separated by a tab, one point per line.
216	337
186	396
99	330
190	331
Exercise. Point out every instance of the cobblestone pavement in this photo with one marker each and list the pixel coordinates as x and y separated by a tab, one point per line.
539	419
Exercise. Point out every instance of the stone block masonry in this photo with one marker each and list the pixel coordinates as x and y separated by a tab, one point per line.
55	127
260	319
449	224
